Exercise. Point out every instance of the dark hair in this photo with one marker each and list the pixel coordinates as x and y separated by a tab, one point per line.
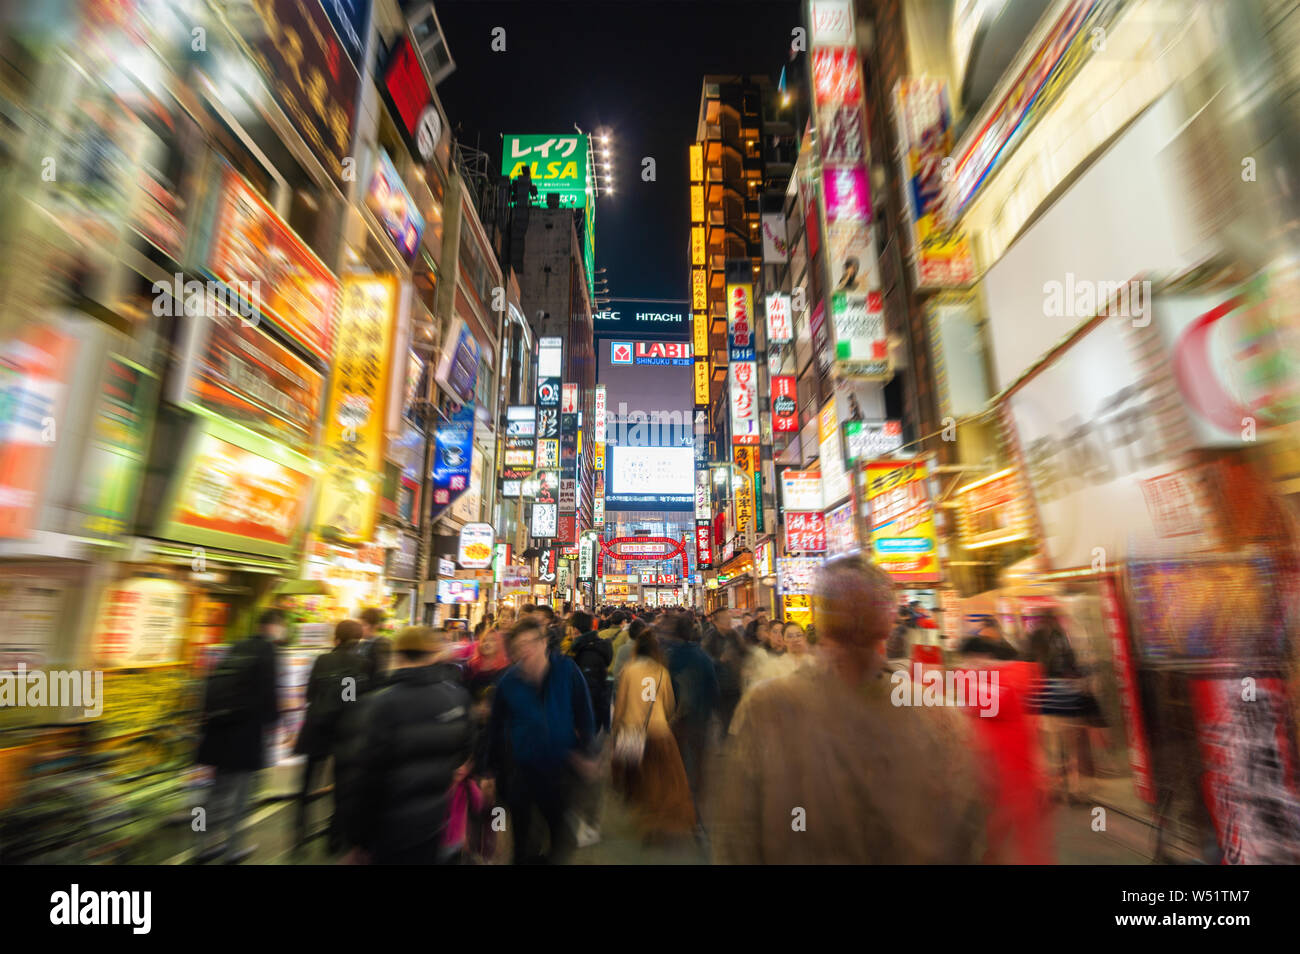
581	621
271	617
751	633
647	644
528	608
347	632
548	612
618	618
526	625
372	616
678	626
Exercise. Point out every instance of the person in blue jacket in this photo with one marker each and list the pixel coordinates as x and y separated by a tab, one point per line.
542	732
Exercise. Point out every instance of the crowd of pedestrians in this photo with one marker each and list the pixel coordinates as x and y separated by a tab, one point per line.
752	739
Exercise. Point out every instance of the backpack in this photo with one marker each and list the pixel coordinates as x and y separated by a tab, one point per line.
231	693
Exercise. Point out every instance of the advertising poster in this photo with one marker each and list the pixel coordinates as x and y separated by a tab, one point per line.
797	574
309	72
33	379
110	474
242	373
941	257
393	206
457	591
475	546
1249	781
457	371
867	440
901	519
841	531
352	450
990	511
836	481
801	490
861	345
238	499
775	247
142	622
453	445
294	289
556	164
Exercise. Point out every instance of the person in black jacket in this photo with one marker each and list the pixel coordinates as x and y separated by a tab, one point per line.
593	656
416	739
239	709
337	680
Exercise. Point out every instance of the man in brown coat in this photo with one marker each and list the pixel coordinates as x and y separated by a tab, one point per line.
823	768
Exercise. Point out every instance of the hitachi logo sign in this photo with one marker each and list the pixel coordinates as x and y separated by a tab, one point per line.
639	316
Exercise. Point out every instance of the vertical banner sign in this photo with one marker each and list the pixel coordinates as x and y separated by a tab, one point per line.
740	322
701	382
743	371
701	328
586	557
845	194
941	257
569	399
744	494
600	415
744	402
352	453
785	406
703	545
703	500
453	450
901	519
780	324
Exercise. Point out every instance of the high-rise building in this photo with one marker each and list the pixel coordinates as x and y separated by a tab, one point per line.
739	165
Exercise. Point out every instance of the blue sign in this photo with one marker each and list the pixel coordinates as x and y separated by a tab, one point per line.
349	19
453	454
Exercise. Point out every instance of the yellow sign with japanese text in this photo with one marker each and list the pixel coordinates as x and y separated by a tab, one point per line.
701	382
697	245
701	335
699	290
352	451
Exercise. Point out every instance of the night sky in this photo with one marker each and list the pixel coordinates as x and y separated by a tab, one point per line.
634	67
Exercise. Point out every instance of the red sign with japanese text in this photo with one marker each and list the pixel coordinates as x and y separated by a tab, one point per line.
805	533
785	405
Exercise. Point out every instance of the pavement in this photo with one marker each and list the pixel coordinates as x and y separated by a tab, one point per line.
1126	840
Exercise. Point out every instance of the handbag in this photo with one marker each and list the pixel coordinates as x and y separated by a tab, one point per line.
629	743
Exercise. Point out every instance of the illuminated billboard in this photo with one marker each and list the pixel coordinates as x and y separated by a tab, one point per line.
651	478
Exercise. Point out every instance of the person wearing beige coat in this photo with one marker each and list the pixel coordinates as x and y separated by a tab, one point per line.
656	788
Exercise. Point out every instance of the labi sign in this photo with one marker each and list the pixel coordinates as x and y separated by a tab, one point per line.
555	164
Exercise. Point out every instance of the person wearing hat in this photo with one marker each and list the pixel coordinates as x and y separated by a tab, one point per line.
414	742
